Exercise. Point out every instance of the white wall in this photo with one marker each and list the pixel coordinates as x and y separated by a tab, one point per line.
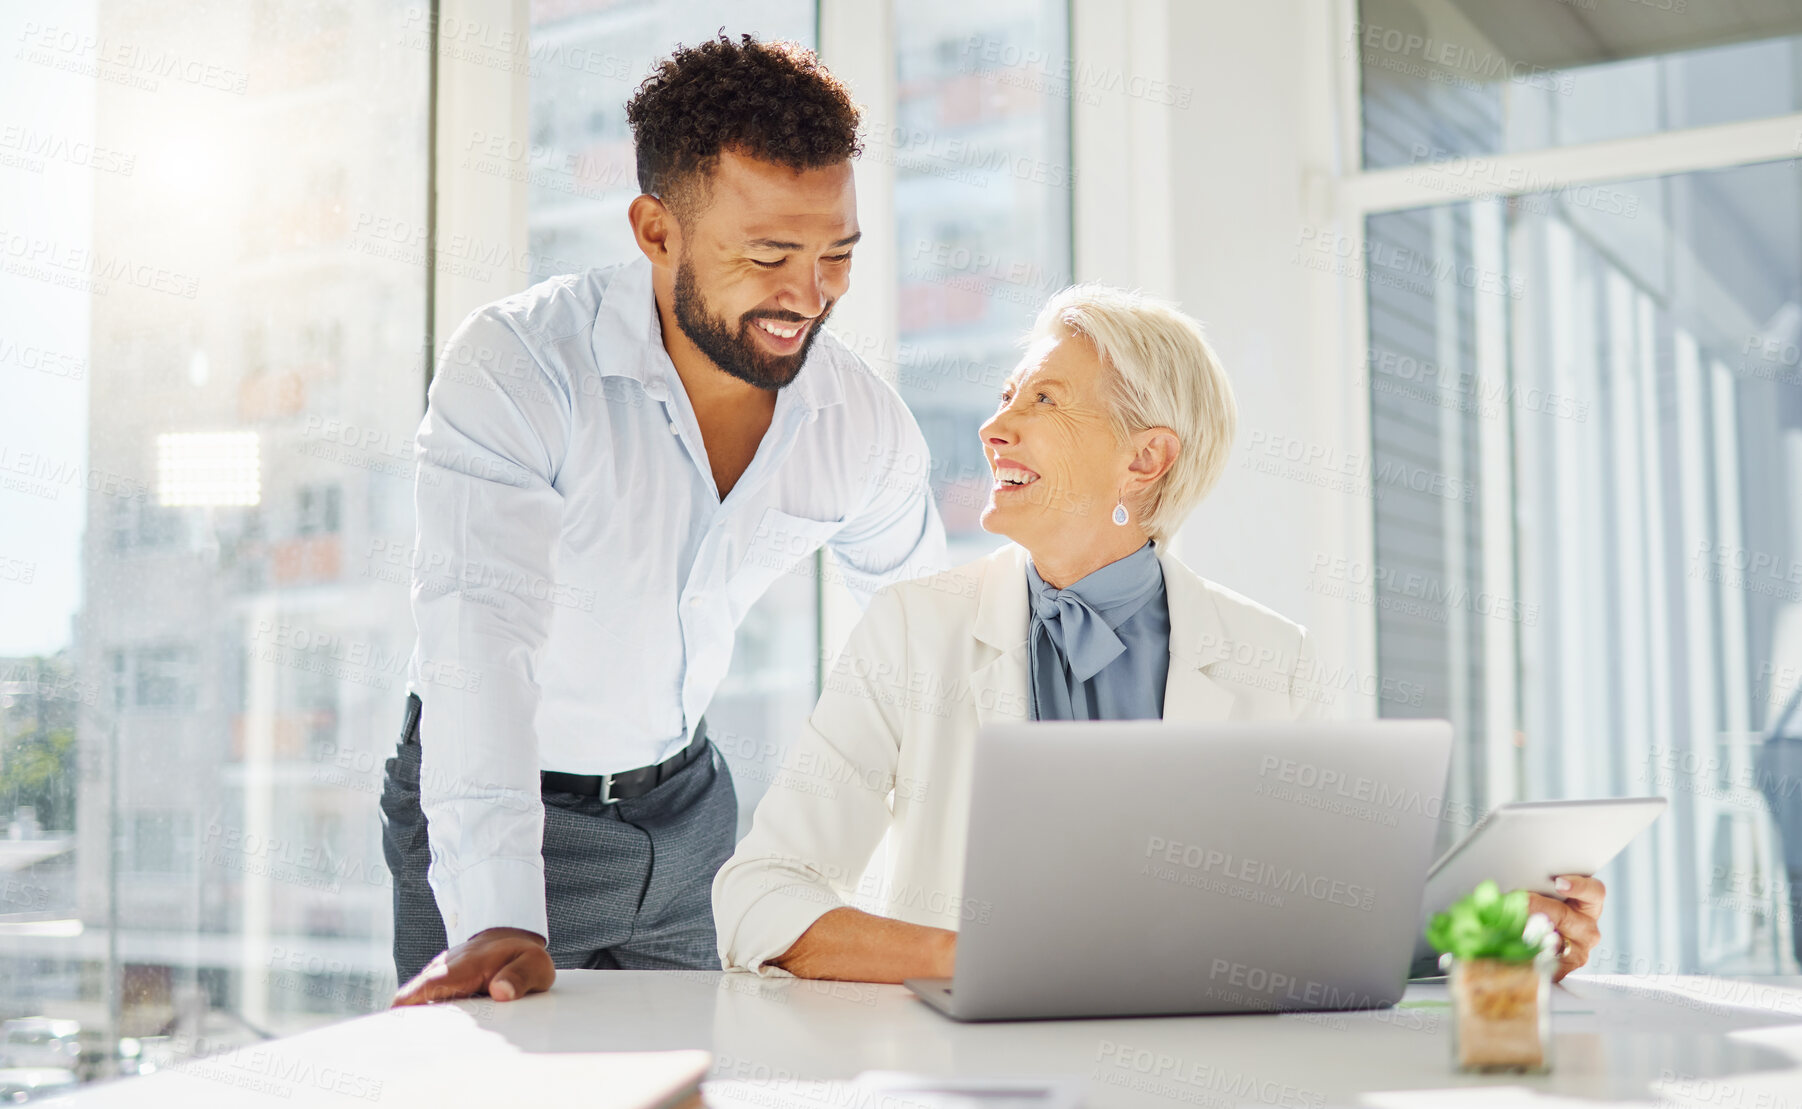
1199	189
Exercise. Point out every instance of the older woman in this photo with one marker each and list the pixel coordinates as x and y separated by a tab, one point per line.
1115	423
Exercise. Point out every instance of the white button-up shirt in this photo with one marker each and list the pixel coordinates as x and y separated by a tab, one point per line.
577	581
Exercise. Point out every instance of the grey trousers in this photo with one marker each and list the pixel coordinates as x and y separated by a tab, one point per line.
628	885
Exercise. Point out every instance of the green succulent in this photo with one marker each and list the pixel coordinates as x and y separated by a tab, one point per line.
1489	924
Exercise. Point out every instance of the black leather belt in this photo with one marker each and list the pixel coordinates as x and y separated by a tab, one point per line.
623	786
626	784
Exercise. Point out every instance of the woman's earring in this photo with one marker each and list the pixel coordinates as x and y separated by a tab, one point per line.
1120	511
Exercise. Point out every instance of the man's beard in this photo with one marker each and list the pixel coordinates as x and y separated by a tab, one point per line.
737	352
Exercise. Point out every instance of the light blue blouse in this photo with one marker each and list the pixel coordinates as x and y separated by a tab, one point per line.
1100	649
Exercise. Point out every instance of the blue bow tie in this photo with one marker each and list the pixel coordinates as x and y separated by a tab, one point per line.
1076	629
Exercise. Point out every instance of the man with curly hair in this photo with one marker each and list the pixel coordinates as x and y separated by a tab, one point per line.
613	467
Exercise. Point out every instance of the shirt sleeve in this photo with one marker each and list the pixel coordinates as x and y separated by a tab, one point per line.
896	533
827	810
495	432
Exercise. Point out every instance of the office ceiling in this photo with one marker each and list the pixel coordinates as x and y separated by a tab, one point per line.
1559	34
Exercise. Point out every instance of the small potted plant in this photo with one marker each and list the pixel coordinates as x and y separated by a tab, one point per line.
1500	960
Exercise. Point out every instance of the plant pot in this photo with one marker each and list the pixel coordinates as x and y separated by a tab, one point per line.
1502	1015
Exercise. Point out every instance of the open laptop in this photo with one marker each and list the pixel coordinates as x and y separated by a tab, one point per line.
1141	868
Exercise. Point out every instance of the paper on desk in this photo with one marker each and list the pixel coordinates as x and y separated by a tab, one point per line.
899	1090
283	1074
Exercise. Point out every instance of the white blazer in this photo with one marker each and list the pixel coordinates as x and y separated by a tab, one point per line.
887	749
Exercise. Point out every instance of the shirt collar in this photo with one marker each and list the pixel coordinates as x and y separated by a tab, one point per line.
628	342
1004	611
1116	592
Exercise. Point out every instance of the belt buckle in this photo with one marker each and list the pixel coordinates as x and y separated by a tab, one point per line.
607	789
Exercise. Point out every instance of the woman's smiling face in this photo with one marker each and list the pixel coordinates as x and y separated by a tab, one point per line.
1058	467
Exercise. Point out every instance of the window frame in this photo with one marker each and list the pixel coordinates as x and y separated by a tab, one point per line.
1359	193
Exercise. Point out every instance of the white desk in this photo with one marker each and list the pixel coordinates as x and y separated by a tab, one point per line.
1725	1043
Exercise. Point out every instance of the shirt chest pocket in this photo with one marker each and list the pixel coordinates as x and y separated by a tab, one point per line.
781	543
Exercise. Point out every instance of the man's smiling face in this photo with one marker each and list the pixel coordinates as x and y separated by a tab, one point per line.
762	262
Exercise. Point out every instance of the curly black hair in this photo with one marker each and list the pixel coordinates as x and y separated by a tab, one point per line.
770	100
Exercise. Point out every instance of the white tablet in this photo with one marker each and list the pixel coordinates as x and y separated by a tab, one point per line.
1525	844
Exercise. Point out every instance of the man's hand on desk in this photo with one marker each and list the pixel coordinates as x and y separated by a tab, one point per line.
506	963
1576	918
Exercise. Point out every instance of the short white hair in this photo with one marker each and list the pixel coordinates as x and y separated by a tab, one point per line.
1161	373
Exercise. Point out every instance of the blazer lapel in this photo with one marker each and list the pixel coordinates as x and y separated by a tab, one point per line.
1196	640
999	683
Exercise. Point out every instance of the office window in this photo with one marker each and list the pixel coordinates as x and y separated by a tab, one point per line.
218	332
140	524
1457	78
165	677
980	146
587	58
160	842
1587	482
316	509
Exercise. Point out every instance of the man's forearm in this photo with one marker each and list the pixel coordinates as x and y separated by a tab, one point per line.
853	946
